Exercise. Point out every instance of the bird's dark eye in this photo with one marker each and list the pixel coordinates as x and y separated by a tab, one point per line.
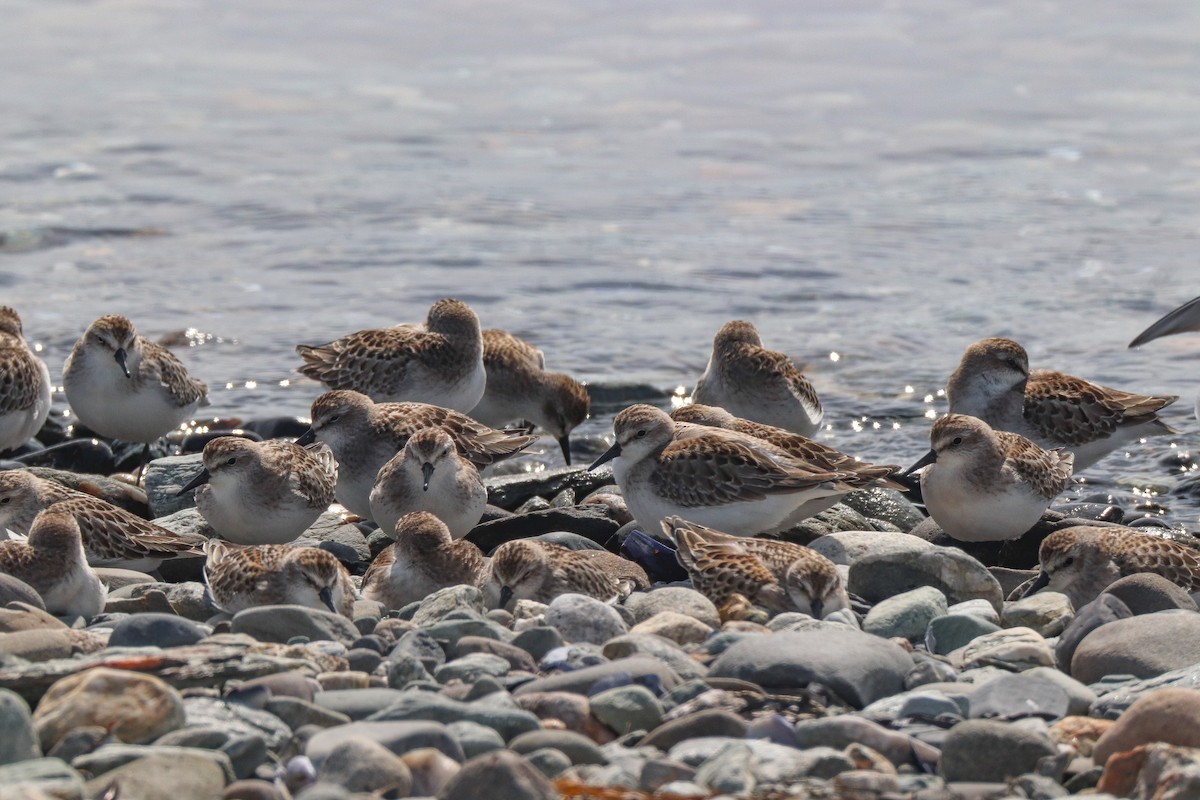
1068	562
640	434
231	460
956	440
5	501
334	417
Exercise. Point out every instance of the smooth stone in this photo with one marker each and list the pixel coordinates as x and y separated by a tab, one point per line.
182	774
580	681
1145	646
708	723
507	776
859	667
538	640
665	650
471	667
678	599
1048	613
765	762
155	630
237	719
1165	715
575	746
1120	692
422	646
449	631
679	628
359	764
1104	609
399	737
989	751
405	669
949	632
75	455
1019	648
164	477
926	705
905	615
331	532
13	589
282	623
1146	593
1080	698
508	721
657	772
42	644
253	790
245	752
431	770
627	708
357	704
296	713
1020	695
475	739
580	618
565	709
19	741
517	657
843	731
437	606
878	576
41	778
549	761
846	547
361	659
21	616
135	707
976	608
115	578
884	504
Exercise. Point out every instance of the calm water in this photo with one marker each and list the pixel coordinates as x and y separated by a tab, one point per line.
886	182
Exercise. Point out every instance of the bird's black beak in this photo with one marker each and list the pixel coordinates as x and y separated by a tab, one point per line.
326	596
925	461
1040	582
818	609
122	358
609	455
564	442
308	437
427	471
201	478
506	594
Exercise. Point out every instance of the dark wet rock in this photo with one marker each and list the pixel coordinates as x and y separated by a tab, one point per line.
888	505
511	491
15	590
155	630
577	747
1105	512
1020	553
1146	593
19	742
582	681
76	455
858	667
1144	646
363	659
590	522
277	427
1021	695
984	750
507	775
709	722
282	623
398	737
1104	609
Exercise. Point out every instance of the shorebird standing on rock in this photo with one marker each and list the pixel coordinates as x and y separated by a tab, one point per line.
440	362
429	475
1052	409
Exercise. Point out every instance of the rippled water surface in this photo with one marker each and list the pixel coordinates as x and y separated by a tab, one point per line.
874	185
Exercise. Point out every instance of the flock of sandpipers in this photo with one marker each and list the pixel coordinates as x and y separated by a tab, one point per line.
414	411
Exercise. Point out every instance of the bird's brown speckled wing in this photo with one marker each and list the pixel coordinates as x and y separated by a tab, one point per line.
20	379
168	370
1048	472
113	534
368	361
510	353
1176	562
1074	411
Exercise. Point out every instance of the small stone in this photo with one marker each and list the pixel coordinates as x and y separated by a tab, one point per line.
42	644
1017	648
21	616
713	722
538	640
1145	646
635	669
41	778
397	737
1104	609
421	645
580	618
516	657
674	626
958	576
1164	715
666	651
475	739
19	741
155	630
505	719
657	772
404	669
431	770
281	623
550	761
976	608
678	599
182	774
237	719
135	707
363	765
1020	695
987	751
576	746
444	602
358	704
164	477
506	775
1081	733
1146	593
1048	613
843	731
627	708
949	632
253	790
905	615
15	590
361	659
296	713
471	667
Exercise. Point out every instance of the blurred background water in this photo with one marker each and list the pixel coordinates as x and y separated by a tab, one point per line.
874	185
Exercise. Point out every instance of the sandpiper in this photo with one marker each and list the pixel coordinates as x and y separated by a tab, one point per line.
984	485
263	492
519	388
423	560
750	381
718	478
525	569
51	561
24	385
440	363
245	576
364	435
1082	561
429	475
993	382
779	575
